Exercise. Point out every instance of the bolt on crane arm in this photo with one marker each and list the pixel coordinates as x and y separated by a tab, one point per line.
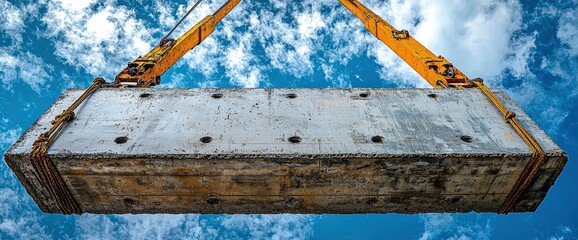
146	70
436	70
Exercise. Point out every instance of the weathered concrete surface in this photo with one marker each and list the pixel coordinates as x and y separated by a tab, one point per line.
441	151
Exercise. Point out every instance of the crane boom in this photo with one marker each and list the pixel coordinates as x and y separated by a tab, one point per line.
146	70
436	70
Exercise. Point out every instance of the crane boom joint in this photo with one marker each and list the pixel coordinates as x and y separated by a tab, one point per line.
400	34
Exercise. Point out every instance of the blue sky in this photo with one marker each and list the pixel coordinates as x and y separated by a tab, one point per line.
527	47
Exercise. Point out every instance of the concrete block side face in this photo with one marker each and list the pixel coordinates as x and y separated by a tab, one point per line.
17	156
298	186
541	184
287	151
29	181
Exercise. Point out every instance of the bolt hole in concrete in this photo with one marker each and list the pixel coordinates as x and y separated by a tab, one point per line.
467	139
291	95
213	200
217	95
145	95
364	95
433	95
295	139
377	139
206	139
371	201
455	200
293	202
129	202
121	140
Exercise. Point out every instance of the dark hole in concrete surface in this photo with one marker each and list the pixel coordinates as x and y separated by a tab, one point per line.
294	202
213	200
440	183
145	95
467	139
364	95
456	199
295	139
371	201
377	139
112	165
129	202
492	171
291	95
433	95
217	95
206	139
142	182
121	140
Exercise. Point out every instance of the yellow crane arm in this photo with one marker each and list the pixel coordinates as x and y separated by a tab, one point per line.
436	70
146	70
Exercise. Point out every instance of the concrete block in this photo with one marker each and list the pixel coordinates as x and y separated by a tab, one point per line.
288	151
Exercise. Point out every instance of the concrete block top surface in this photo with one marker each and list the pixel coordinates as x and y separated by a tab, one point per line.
236	123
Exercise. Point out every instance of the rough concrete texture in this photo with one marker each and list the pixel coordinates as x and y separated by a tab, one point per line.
360	151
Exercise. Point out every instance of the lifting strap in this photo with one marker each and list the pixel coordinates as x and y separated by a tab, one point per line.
46	171
536	160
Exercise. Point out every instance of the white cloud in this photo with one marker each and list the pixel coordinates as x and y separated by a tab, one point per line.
165	226
176	81
568	31
75	6
8	137
96	39
16	219
563	232
309	22
12	21
551	110
166	16
16	63
448	226
291	36
548	98
275	227
204	58
24	66
470	34
195	227
239	63
565	229
521	53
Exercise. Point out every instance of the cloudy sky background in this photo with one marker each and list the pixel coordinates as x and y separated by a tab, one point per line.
529	48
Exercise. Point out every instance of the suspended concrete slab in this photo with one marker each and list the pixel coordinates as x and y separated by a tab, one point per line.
288	151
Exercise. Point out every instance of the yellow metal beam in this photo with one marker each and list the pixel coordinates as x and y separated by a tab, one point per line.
146	70
436	70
